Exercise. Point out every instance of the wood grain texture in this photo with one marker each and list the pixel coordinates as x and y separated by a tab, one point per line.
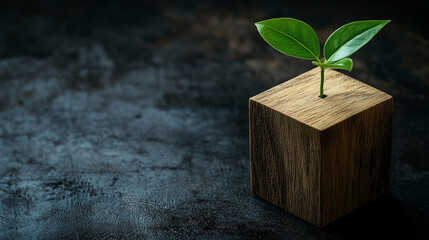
285	164
355	160
318	158
299	98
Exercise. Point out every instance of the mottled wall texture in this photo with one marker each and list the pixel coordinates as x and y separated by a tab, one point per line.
129	119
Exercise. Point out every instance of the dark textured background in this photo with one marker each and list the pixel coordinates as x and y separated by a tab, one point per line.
129	120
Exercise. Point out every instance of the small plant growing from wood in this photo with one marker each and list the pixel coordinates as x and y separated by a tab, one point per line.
297	39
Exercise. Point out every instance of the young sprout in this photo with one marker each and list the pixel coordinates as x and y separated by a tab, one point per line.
297	39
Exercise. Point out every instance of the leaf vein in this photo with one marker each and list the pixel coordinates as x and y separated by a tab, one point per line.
349	41
294	40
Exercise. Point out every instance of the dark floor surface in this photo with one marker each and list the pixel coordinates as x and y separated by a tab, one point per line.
130	121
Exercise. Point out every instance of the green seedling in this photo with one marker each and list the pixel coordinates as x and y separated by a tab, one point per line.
297	39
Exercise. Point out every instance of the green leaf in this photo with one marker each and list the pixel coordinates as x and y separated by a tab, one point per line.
345	63
347	39
291	37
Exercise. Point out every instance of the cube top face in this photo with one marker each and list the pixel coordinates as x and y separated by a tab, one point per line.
299	98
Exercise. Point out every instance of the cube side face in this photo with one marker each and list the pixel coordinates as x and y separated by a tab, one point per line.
285	162
356	158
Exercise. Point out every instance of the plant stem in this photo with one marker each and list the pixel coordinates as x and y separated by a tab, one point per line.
322	76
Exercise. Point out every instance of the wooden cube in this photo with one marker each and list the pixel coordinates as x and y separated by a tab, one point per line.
320	159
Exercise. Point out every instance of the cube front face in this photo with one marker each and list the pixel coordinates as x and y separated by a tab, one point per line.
285	162
320	171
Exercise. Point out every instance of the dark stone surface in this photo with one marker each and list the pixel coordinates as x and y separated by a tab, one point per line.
129	120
